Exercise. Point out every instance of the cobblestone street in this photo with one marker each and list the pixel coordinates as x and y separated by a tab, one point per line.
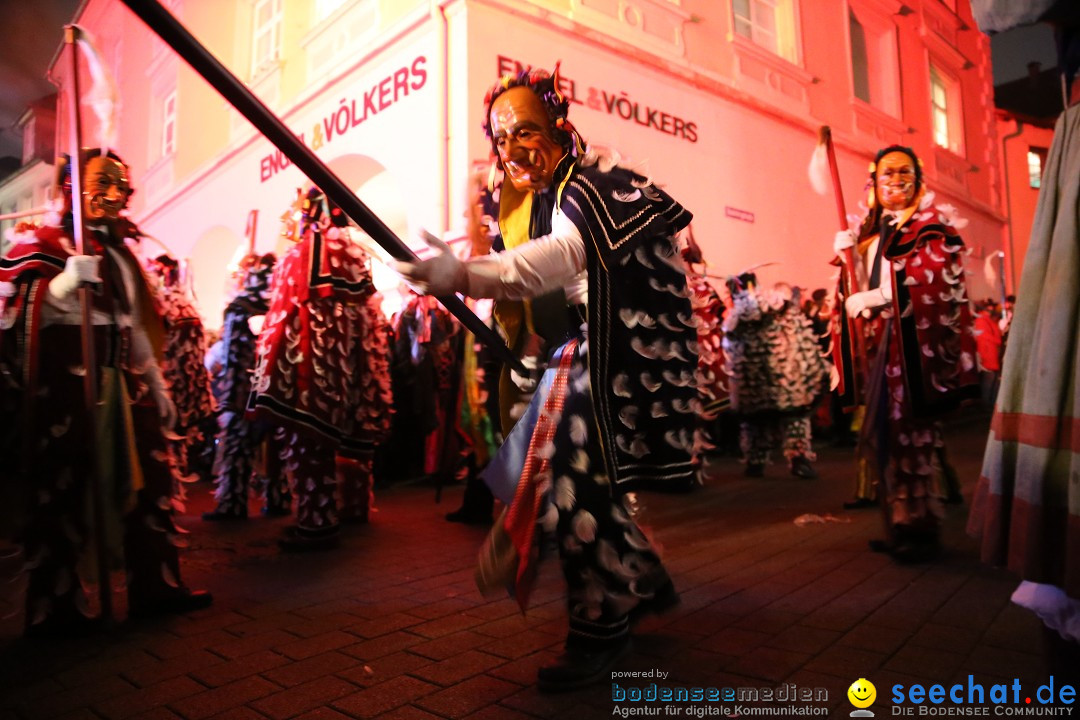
391	625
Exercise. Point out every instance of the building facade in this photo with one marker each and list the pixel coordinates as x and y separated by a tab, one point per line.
718	100
1027	109
1024	146
27	189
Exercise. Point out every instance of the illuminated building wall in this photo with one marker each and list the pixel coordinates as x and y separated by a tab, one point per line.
718	100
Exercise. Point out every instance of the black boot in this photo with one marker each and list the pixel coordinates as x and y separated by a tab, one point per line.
663	601
225	514
910	546
300	540
801	468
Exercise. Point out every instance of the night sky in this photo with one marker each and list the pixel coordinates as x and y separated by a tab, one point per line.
33	30
1013	50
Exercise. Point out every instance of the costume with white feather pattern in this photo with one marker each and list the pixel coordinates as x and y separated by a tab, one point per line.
926	334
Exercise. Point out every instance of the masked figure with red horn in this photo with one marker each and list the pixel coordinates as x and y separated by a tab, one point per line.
322	376
621	408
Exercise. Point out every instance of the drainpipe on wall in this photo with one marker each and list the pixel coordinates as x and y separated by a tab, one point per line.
1008	199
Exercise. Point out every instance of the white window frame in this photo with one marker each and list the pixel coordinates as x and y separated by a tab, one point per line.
271	30
783	39
948	106
168	124
1036	161
326	8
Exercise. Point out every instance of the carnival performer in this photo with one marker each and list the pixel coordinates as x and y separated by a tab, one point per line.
919	340
621	411
428	358
241	437
42	375
1026	506
712	385
776	374
322	374
480	370
183	365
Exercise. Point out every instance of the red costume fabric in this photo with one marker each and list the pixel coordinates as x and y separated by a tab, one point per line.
988	339
323	373
712	381
184	370
921	350
41	386
322	356
182	365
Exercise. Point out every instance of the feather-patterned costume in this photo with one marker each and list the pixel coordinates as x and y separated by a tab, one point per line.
642	332
240	436
773	357
922	351
183	366
621	411
322	367
713	386
41	381
776	373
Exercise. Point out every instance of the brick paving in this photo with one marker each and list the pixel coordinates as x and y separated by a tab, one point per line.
391	625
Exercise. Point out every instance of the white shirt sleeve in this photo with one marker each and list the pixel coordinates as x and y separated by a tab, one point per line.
882	294
539	266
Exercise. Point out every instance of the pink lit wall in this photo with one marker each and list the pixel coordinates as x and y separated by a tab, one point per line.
726	126
1021	200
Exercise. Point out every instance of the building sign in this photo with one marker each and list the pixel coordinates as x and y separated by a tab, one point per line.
352	111
619	104
737	214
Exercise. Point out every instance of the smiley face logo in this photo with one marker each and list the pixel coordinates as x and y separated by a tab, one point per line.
862	693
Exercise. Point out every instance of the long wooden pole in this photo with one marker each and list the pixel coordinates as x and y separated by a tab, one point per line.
97	498
176	36
855	324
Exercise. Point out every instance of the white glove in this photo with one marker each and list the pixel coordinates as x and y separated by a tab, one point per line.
165	405
844	239
861	302
255	324
527	383
79	270
442	274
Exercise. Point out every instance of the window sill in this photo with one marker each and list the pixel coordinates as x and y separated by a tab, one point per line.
265	71
786	84
878	125
655	25
340	38
745	47
952	169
